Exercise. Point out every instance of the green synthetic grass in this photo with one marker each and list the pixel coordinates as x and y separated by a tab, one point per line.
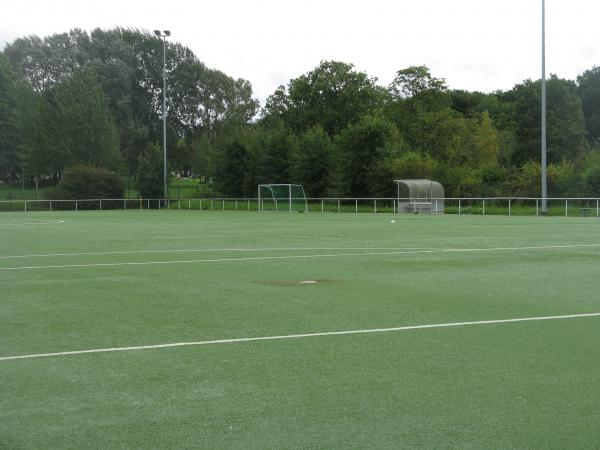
517	385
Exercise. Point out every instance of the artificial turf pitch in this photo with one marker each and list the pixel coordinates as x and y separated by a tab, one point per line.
122	279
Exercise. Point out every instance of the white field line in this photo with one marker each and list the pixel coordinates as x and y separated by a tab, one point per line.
18	224
299	336
207	250
332	255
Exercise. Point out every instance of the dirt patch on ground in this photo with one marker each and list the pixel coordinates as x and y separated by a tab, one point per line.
308	282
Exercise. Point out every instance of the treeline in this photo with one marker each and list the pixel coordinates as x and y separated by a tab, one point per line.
339	133
95	99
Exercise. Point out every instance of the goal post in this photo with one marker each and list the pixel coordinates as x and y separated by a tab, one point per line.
282	197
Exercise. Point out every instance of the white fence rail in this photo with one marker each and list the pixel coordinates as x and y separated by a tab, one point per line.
465	205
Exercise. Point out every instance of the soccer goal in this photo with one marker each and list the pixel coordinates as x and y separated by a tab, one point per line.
282	197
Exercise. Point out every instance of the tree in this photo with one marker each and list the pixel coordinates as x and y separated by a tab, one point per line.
270	152
413	81
359	148
232	167
311	162
76	126
566	125
11	154
150	176
333	95
589	92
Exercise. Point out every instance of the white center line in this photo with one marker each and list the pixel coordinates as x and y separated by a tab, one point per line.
284	257
207	250
299	336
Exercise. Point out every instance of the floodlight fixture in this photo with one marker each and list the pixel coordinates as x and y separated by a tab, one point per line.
157	32
167	33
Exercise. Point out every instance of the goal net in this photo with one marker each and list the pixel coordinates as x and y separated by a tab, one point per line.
281	197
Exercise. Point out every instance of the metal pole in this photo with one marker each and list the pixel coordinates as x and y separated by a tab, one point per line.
164	111
544	177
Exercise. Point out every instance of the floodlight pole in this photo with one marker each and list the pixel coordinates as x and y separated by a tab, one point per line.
163	35
544	177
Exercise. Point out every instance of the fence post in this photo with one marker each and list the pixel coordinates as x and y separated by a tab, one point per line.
148	207
25	205
509	211
484	206
597	204
124	204
375	206
537	208
566	207
322	207
50	205
356	206
339	209
248	204
76	208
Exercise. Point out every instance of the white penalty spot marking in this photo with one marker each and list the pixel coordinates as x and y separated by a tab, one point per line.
299	336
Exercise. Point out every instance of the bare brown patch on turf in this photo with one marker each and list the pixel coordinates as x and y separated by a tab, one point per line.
308	282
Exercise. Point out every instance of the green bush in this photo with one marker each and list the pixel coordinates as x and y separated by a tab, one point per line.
88	182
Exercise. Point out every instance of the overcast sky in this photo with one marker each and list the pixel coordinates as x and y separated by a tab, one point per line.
474	44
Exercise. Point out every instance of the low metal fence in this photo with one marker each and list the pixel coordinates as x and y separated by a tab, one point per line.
509	206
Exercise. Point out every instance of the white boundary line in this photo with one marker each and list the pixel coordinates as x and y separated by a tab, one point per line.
298	336
208	250
53	222
332	255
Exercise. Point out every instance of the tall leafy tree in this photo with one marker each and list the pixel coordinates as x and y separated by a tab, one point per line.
232	167
150	176
77	127
359	148
566	124
589	91
11	151
333	95
311	162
